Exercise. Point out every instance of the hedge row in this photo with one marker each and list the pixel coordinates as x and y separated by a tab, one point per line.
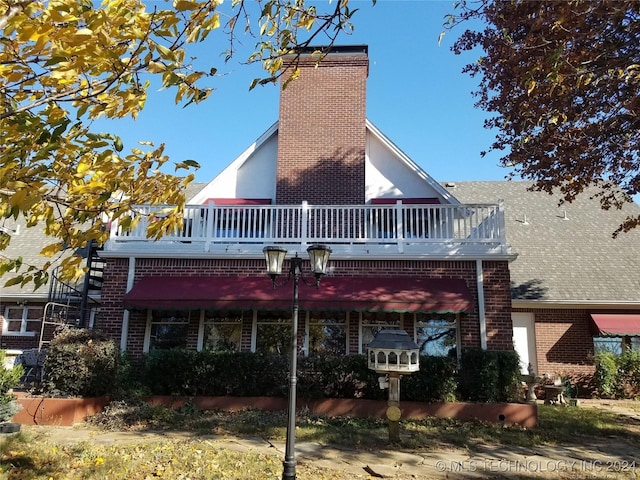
186	372
483	376
83	363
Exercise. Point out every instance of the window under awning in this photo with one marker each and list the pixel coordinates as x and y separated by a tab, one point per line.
616	324
393	294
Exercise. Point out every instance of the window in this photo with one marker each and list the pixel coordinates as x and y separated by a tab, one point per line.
327	333
273	332
21	320
167	329
615	345
222	331
372	322
437	334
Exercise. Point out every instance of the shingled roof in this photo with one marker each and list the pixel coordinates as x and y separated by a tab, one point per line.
566	254
26	243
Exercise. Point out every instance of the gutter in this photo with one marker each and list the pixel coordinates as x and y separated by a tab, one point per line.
581	304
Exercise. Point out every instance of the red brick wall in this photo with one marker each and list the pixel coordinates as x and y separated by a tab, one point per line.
497	300
113	290
496	283
322	133
564	341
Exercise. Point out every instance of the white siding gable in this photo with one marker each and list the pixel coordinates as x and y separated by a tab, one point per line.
251	175
389	173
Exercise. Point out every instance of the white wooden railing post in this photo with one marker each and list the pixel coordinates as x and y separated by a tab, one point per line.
113	234
399	226
501	223
208	225
304	225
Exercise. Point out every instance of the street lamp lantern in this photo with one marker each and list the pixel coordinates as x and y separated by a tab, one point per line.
319	258
274	257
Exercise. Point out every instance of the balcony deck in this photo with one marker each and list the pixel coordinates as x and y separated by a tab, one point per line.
351	230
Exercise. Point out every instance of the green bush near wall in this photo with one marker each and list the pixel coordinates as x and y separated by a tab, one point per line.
618	375
489	376
187	372
84	363
81	363
435	382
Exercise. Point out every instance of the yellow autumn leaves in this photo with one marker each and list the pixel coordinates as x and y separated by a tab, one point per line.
36	458
65	63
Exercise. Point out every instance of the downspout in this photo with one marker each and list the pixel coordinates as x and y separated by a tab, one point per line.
482	317
124	334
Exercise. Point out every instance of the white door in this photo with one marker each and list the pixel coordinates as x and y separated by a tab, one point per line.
524	340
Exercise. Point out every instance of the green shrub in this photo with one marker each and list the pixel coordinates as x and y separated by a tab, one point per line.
489	376
129	384
628	378
9	379
618	375
435	382
247	374
171	372
344	376
80	363
187	372
605	376
220	373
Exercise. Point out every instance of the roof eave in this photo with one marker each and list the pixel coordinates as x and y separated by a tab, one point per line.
579	304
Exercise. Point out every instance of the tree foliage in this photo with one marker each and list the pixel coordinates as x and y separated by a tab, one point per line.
562	79
65	63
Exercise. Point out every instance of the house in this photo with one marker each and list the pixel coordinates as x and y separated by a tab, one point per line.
406	252
575	289
22	307
30	315
487	265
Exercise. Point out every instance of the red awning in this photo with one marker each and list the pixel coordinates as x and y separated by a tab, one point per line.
617	324
238	201
405	201
393	294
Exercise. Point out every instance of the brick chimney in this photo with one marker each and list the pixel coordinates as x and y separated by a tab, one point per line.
322	131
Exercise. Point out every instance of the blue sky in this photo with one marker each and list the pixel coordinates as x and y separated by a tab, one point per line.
416	95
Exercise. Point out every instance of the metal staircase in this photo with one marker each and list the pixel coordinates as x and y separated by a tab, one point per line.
70	305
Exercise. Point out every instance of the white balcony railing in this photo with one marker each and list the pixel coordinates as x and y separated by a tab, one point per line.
329	224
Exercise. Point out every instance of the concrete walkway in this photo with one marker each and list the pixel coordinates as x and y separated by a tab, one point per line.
599	458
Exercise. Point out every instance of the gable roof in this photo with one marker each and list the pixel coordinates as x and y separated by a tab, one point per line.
566	254
262	149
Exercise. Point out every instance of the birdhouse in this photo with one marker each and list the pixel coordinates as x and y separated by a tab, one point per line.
393	351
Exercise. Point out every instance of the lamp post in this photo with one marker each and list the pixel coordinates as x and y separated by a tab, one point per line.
274	256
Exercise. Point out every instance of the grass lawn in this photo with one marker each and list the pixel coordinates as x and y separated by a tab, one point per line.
30	457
